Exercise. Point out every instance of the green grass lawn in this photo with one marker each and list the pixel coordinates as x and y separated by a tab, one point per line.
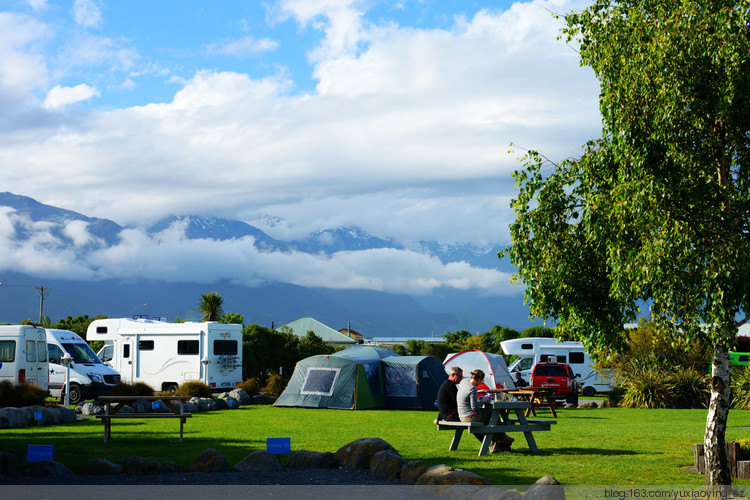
586	447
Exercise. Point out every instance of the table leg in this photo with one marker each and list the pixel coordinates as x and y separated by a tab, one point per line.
456	440
485	445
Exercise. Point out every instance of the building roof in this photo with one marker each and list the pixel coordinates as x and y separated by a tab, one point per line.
301	326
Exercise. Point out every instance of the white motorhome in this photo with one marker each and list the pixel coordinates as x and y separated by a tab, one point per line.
89	377
165	355
23	355
534	350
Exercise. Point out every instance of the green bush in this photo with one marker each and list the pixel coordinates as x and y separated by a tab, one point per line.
740	380
276	384
692	388
744	448
18	395
659	388
250	386
128	389
194	388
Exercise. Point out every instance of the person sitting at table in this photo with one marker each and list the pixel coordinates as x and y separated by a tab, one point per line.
520	382
446	397
484	390
470	410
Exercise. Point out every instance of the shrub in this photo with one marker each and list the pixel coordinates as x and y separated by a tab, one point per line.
128	389
276	384
648	389
250	386
194	388
692	388
21	394
744	448
740	380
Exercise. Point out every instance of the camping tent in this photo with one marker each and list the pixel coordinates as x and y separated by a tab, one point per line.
493	365
329	382
364	377
412	381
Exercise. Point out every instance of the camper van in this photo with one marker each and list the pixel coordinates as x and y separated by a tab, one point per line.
165	355
546	350
23	355
89	377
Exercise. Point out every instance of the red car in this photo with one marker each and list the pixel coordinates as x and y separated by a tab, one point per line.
558	377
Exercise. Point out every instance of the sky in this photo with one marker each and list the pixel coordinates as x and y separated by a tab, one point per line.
405	118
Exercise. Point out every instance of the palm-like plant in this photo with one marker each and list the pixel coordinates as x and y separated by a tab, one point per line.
211	306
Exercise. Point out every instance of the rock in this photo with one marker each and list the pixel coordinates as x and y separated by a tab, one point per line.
387	463
357	454
412	471
209	461
172	467
443	475
546	488
190	407
263	399
495	493
461	491
259	460
126	409
242	397
49	416
8	464
304	459
231	402
13	418
588	404
221	404
138	465
141	406
605	403
49	468
91	409
102	467
67	415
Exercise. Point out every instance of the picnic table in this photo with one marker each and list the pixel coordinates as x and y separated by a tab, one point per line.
537	396
113	405
500	422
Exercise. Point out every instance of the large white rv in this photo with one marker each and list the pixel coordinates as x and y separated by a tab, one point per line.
165	355
23	355
534	350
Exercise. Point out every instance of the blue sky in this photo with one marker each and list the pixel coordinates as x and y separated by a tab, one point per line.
394	116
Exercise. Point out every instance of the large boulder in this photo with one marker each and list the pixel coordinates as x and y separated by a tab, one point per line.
545	488
201	404
209	461
67	415
303	459
13	418
242	397
387	464
495	493
259	460
8	464
412	471
138	466
49	416
357	454
142	406
49	468
443	475
102	467
91	409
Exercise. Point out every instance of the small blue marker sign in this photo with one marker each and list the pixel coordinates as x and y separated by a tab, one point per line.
39	452
38	416
279	446
155	405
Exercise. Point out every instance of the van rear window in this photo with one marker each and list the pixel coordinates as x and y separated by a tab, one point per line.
7	351
550	371
188	347
225	347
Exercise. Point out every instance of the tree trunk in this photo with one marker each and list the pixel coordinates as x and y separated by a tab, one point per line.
717	469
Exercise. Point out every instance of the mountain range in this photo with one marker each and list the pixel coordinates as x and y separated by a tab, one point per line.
373	313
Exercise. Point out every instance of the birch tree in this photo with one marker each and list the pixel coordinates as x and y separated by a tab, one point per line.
656	211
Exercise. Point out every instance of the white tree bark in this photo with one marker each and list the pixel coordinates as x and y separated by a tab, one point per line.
717	469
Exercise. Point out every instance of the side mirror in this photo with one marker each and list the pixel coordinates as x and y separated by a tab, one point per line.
578	375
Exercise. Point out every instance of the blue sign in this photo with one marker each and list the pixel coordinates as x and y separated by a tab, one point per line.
39	452
38	415
155	405
1	365
279	446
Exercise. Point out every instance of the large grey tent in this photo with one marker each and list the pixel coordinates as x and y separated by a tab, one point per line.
364	377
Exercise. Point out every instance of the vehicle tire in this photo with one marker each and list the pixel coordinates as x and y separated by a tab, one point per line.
76	394
171	388
589	391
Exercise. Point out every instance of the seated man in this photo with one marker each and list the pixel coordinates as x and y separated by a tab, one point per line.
446	398
470	410
520	382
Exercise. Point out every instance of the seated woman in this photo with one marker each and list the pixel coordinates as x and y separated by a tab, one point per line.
470	410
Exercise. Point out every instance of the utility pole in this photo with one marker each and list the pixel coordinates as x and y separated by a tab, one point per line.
42	292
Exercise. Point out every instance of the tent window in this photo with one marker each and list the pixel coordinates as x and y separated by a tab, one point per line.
320	381
400	381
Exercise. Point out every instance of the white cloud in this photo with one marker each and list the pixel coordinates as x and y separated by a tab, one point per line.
59	97
87	13
244	47
38	5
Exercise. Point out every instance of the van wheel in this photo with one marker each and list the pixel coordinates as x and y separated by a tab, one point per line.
589	391
76	394
170	388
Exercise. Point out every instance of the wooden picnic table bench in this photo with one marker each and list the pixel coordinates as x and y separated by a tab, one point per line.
113	405
500	422
537	396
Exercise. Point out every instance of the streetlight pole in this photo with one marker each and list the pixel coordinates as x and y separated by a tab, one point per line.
43	292
136	307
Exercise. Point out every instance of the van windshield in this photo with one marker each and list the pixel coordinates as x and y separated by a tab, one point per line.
82	353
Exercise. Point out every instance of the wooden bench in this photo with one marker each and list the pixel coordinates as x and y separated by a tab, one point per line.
500	422
111	413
